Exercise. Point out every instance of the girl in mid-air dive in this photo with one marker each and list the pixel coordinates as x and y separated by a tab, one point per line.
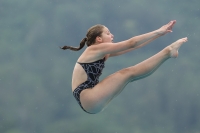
92	95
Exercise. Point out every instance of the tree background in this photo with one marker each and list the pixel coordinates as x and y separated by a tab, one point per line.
35	75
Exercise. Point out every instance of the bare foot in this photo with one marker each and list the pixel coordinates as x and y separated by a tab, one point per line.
174	47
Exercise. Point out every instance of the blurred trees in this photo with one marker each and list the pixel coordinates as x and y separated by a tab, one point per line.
35	75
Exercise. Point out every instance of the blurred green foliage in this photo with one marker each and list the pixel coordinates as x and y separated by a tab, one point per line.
35	75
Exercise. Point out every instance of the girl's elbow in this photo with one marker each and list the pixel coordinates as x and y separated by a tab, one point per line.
133	43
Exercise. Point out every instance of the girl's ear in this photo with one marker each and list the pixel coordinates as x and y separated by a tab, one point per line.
98	39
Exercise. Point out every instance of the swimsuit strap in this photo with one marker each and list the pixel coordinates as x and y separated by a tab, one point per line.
92	62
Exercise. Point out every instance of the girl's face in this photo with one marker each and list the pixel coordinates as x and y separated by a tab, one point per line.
106	36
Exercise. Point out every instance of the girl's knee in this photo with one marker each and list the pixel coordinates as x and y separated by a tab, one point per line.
129	73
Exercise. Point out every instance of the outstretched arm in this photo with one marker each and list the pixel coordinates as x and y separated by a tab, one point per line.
133	43
126	51
160	32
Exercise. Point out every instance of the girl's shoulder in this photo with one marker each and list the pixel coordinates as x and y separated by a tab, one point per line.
90	56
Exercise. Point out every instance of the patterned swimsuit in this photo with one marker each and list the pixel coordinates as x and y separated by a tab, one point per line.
93	71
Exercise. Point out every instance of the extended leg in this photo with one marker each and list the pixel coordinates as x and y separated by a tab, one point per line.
95	99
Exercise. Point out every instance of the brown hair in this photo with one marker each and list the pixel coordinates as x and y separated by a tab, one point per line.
90	38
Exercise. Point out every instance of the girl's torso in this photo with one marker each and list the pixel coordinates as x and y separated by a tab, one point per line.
87	68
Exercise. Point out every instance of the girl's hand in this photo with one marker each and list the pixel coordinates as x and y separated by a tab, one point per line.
166	28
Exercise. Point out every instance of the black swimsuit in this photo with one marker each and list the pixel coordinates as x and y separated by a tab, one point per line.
93	71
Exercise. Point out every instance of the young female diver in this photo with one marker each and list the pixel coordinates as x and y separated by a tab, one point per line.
93	95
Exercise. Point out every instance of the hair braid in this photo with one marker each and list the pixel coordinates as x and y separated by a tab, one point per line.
82	44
